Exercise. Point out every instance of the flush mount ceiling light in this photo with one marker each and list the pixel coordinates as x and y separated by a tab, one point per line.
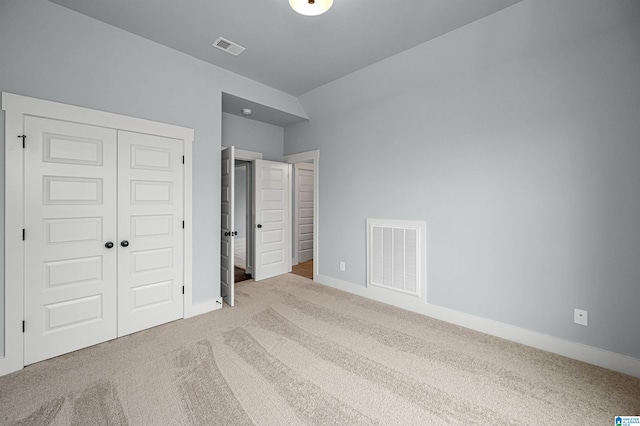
246	111
310	7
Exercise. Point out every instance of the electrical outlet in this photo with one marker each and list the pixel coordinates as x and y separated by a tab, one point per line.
581	317
343	266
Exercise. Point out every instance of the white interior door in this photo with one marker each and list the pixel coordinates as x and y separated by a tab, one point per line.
272	243
226	231
150	231
304	211
70	200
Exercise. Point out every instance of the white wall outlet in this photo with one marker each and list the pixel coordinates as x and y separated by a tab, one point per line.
343	266
581	317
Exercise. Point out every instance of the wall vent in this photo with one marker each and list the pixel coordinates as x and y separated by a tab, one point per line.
396	255
228	46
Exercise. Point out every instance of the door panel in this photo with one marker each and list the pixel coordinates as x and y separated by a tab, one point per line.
150	214
272	236
227	226
70	200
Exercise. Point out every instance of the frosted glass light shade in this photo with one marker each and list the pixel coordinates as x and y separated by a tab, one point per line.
310	7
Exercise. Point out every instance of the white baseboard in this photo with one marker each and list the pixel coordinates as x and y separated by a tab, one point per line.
203	307
589	354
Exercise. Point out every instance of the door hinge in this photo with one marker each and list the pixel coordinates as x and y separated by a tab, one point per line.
23	326
24	233
183	159
24	137
183	224
182	289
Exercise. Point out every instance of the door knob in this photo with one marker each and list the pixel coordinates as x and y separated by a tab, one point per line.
259	226
124	243
109	244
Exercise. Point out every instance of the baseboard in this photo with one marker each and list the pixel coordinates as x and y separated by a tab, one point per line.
589	354
203	307
10	364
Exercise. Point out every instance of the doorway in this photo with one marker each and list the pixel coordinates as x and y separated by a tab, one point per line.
302	227
268	212
305	213
242	216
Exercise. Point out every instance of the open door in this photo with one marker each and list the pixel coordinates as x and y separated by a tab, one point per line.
226	231
272	242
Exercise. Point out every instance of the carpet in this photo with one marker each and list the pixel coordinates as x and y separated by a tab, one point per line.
294	352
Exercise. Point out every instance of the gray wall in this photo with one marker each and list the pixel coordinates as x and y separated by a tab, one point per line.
52	53
252	135
517	138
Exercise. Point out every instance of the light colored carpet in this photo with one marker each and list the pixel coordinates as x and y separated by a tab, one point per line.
293	352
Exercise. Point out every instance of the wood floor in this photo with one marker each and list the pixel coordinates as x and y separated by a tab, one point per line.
240	275
304	269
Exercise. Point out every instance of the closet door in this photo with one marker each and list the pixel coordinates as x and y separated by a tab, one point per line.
150	233
70	204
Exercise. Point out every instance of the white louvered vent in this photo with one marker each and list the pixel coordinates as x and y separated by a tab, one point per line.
228	46
396	257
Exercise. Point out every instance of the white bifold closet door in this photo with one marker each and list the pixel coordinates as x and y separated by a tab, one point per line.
88	190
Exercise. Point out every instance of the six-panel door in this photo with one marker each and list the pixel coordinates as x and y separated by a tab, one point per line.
104	243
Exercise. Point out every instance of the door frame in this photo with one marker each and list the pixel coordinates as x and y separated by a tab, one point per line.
314	158
16	107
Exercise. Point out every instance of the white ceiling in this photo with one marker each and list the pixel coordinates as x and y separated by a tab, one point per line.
285	50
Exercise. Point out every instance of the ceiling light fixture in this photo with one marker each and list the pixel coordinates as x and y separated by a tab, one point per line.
311	7
246	111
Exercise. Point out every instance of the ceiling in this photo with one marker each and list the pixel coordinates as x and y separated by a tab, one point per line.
285	50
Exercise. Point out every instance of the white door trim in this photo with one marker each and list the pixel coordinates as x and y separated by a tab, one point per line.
313	156
16	107
243	154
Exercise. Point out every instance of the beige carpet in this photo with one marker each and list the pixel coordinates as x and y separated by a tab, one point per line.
292	352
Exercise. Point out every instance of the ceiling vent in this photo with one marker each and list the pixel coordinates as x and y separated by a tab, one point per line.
228	46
